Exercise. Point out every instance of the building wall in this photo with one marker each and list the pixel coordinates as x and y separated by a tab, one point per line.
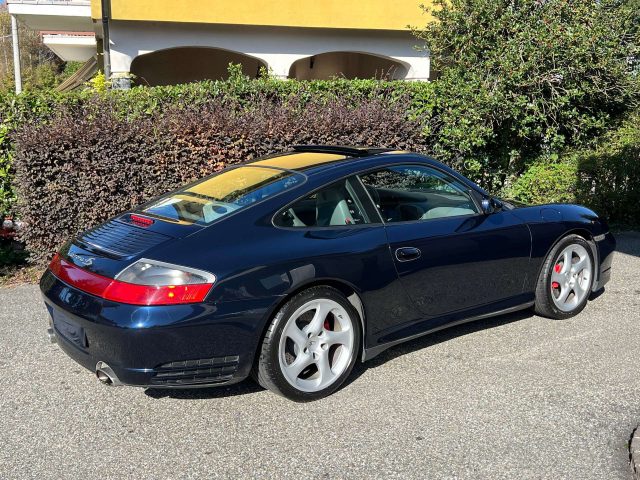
277	47
354	14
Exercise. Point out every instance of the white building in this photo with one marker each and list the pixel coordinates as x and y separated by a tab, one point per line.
159	42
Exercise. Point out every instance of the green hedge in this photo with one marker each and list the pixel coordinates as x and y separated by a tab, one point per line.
93	162
546	181
609	174
605	176
82	157
39	107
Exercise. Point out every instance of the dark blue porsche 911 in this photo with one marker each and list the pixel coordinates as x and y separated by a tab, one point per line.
293	267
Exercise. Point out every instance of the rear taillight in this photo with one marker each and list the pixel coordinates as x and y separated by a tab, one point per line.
146	282
141	221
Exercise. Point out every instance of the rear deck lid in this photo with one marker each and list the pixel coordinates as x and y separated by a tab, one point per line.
119	239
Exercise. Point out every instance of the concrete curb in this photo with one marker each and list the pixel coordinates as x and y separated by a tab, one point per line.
634	453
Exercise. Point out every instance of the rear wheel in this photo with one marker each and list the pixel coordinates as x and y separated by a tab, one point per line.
566	279
311	345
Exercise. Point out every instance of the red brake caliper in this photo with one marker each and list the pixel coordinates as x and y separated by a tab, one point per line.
557	268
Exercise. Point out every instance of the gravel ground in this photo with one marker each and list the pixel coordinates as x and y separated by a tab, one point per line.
517	396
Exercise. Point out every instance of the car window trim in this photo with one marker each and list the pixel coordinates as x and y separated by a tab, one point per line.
369	199
463	180
215	174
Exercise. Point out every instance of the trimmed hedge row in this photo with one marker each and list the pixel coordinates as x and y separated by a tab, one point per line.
92	163
84	157
28	108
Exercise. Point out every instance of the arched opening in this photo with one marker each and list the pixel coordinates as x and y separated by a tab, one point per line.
347	65
189	64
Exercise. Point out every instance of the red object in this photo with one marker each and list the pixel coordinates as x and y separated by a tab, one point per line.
555	285
141	221
558	267
7	234
123	292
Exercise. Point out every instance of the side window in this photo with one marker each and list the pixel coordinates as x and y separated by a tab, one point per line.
334	205
412	192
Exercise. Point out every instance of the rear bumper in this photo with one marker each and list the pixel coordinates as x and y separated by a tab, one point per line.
177	346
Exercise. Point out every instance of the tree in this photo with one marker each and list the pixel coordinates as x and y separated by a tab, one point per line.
523	78
40	66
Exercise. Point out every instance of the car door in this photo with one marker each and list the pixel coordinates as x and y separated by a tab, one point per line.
337	234
449	256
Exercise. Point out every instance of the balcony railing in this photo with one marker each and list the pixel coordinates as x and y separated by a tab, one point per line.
52	2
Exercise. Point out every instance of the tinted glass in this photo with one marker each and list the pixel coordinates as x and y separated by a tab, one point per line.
412	192
299	161
334	205
222	194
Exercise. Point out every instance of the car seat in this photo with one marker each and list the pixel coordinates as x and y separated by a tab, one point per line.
332	208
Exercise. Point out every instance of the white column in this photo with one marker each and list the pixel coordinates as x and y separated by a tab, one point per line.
419	67
16	54
120	70
278	63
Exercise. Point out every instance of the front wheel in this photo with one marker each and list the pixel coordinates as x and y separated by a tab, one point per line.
566	278
311	345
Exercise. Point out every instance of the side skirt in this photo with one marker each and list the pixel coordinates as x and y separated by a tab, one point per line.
373	352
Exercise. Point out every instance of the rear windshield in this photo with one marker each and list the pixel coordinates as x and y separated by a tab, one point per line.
222	194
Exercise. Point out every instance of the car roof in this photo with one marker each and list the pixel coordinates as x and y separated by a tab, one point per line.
315	161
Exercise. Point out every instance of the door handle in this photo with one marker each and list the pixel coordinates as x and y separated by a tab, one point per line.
406	254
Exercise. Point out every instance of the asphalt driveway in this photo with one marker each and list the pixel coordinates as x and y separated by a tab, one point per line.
512	397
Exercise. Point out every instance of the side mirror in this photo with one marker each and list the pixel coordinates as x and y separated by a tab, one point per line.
486	206
490	205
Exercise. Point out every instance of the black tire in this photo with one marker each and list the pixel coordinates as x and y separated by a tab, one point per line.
544	303
267	369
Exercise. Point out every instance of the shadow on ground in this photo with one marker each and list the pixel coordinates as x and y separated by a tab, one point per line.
249	386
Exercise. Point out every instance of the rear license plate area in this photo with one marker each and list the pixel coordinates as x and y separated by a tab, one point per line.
70	330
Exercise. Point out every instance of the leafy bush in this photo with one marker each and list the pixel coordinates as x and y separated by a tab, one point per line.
609	174
93	162
523	79
546	182
604	176
16	111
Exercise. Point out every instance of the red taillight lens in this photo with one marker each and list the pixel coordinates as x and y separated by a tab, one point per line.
125	292
86	281
141	221
151	295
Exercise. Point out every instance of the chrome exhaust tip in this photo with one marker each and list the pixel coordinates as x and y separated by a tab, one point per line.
52	335
104	378
106	375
